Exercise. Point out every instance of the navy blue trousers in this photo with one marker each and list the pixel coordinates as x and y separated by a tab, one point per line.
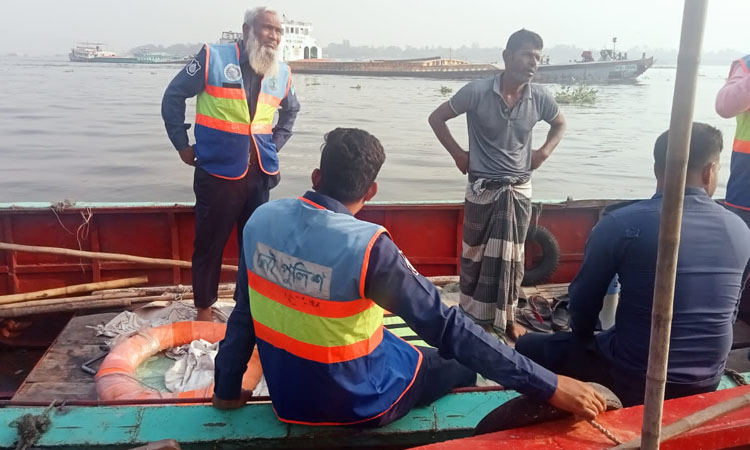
567	354
436	377
220	204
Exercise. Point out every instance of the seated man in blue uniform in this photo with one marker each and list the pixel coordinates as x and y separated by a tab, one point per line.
317	280
711	271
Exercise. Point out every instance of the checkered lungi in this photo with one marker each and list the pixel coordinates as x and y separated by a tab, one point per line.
496	219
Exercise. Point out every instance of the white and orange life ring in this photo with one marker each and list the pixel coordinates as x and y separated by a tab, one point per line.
116	378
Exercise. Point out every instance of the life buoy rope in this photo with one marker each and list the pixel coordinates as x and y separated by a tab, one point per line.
116	378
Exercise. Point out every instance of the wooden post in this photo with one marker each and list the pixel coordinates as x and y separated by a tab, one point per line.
106	256
680	127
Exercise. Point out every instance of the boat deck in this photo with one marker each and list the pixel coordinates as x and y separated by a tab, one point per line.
58	374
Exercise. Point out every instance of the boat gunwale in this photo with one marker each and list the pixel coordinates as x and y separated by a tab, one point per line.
130	206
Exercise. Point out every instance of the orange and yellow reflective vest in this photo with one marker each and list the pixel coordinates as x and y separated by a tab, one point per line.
738	186
223	128
326	356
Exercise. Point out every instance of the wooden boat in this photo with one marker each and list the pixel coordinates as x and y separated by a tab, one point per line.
592	72
429	234
729	431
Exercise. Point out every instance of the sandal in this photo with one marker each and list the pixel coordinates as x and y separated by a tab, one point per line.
541	306
561	316
532	320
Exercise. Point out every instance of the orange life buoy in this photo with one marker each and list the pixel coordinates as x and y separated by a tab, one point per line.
116	377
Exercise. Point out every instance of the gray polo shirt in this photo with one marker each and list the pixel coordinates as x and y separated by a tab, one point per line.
499	138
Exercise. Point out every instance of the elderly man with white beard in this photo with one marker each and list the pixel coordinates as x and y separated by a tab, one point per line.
240	87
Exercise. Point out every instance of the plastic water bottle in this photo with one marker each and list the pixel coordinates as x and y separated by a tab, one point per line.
609	307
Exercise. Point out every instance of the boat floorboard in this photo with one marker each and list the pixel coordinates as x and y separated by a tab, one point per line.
58	374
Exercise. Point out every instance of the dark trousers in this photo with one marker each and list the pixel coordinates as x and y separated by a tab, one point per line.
436	377
220	204
567	354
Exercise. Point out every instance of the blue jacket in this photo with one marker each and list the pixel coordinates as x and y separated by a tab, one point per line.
713	256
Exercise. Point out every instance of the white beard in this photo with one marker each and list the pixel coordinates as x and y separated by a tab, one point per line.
262	59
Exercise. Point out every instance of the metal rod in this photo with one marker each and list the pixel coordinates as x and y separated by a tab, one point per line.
680	127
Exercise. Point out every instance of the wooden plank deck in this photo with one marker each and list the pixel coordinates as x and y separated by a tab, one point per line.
58	373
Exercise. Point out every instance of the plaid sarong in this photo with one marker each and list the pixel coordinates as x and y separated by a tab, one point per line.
496	219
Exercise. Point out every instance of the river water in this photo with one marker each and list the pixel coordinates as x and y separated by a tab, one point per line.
93	132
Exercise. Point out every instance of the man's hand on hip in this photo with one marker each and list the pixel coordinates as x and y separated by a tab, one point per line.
577	397
537	158
187	155
462	161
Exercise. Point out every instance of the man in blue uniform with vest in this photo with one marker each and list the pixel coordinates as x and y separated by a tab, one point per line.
313	284
240	87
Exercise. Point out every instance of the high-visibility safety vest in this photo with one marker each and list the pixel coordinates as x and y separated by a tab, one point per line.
223	129
326	356
738	186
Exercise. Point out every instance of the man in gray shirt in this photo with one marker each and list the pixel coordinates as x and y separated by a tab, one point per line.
501	113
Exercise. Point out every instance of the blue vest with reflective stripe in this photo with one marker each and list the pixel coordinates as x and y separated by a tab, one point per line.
738	186
289	237
223	129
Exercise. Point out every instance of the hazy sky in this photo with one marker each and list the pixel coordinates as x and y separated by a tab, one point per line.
43	27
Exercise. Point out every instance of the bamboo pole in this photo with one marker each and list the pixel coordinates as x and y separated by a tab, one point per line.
155	290
443	280
97	303
100	297
105	256
680	127
694	420
75	289
70	300
13	311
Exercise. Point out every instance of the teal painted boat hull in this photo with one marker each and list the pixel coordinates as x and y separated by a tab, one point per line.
253	426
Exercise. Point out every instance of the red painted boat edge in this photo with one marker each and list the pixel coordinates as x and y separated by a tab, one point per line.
731	430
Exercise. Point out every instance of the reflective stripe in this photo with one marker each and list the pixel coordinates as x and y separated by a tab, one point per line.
208	60
313	329
745	208
366	261
311	203
223	125
327	355
222	92
269	99
307	304
233	178
227	109
264	114
741	146
261	128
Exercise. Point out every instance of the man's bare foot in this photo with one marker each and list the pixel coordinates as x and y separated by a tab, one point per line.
515	330
205	315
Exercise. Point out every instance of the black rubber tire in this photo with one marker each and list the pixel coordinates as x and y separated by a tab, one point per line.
550	256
